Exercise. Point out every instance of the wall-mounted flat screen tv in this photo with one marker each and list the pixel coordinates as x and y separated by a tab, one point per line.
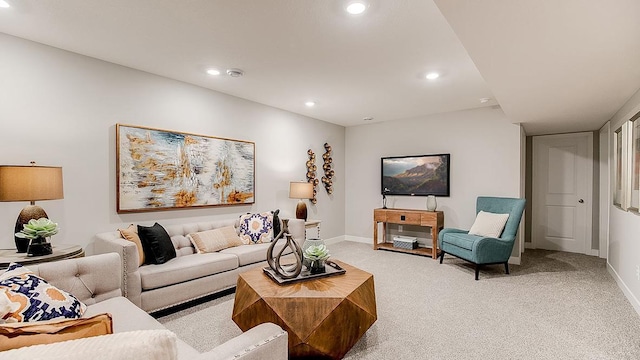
419	175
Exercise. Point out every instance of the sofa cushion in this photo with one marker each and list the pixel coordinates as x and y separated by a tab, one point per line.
142	345
156	243
215	240
131	234
461	240
16	335
25	297
185	268
251	254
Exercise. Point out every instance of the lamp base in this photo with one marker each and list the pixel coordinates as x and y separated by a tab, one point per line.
301	210
29	212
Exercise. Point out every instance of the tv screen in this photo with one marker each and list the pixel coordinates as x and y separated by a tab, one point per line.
419	175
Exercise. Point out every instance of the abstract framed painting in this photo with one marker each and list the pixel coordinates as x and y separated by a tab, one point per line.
165	170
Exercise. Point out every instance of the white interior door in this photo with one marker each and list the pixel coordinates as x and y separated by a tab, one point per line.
562	192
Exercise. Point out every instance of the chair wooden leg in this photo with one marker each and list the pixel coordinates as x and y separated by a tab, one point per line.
441	256
506	268
477	270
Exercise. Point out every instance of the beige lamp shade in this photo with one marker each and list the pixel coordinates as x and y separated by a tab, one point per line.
300	190
30	183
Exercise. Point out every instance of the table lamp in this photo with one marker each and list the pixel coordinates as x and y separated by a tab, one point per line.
301	190
29	183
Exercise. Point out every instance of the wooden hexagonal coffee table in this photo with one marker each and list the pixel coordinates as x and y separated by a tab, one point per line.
324	317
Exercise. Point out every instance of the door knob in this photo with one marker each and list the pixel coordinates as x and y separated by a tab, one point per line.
581	201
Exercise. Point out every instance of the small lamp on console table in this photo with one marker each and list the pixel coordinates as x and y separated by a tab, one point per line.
301	190
29	183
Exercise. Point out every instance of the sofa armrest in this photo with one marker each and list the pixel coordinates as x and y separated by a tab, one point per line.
445	231
131	283
264	342
493	250
91	279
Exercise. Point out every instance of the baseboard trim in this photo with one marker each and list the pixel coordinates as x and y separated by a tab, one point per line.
528	245
514	260
593	252
334	240
359	239
625	289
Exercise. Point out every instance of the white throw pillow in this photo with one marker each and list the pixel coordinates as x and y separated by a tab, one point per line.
139	345
489	224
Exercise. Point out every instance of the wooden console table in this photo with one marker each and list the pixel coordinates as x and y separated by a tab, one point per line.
432	219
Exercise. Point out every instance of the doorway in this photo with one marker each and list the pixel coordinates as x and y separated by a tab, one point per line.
562	192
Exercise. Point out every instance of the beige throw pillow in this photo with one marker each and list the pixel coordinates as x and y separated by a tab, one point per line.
131	234
489	224
215	240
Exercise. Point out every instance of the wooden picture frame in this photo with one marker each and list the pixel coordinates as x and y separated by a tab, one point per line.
164	170
621	167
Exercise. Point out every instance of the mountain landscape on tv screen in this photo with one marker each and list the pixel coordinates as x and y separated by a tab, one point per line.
420	180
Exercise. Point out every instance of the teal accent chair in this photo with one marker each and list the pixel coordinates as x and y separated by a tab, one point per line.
482	250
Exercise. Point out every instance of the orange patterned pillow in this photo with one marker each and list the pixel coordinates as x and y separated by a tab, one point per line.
26	297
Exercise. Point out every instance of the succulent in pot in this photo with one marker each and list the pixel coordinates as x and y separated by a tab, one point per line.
316	255
37	231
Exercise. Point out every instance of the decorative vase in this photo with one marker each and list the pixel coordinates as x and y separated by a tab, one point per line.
22	244
308	243
432	204
316	266
39	247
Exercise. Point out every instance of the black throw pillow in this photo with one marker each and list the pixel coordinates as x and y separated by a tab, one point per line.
156	244
276	223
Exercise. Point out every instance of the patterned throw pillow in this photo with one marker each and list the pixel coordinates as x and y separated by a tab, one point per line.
26	297
256	228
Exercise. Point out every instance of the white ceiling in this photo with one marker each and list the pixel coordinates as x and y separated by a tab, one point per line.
555	66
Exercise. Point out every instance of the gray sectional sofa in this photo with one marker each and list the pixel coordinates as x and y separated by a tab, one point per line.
190	275
96	281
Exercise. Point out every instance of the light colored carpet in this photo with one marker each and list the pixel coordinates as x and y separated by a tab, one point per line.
554	306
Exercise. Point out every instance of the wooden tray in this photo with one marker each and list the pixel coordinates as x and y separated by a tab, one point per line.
331	269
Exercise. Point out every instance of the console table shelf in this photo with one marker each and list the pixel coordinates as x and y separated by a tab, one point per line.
431	219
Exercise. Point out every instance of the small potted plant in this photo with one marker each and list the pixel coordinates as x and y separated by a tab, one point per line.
37	231
316	256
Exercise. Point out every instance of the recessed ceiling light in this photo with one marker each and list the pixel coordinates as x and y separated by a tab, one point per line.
213	72
356	8
485	100
310	103
432	76
4	4
235	72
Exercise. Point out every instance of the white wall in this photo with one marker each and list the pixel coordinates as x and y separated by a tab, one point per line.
59	108
624	227
485	160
